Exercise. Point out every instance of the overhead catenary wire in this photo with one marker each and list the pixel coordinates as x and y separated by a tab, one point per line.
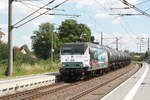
122	26
135	8
147	9
62	14
129	26
41	14
126	14
120	8
106	9
102	6
51	13
28	6
31	7
33	12
34	5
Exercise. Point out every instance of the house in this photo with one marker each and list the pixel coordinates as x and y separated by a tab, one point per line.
1	35
22	50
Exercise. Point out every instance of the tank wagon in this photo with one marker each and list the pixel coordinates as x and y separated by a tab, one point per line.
80	60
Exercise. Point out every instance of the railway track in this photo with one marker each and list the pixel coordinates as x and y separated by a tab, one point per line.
76	92
51	91
98	86
27	92
60	88
38	92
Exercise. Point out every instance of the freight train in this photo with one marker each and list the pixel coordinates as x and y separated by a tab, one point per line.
83	60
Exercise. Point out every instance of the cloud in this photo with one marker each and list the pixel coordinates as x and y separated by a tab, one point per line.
82	3
133	1
42	19
117	20
102	3
90	25
26	7
127	41
103	7
26	38
102	15
3	5
4	28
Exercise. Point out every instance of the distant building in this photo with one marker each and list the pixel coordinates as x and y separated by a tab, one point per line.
22	50
1	35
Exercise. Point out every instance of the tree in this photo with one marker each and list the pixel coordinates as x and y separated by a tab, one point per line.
71	31
3	51
146	54
42	40
1	34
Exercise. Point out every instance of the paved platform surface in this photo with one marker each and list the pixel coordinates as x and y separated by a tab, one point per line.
21	83
137	87
26	77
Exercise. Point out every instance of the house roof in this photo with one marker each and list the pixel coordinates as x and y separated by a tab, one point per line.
1	33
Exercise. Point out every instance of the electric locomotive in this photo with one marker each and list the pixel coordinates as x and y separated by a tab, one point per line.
80	60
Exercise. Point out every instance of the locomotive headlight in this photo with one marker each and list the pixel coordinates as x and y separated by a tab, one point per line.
81	64
63	65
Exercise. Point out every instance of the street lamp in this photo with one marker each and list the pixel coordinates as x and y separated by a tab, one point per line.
52	49
81	37
52	44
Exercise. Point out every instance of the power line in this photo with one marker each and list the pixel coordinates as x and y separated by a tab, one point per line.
11	27
102	6
142	43
147	9
29	6
117	41
41	14
34	12
125	14
120	8
53	13
62	14
101	38
135	8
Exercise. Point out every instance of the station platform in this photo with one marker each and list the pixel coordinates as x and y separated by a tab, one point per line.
21	83
137	87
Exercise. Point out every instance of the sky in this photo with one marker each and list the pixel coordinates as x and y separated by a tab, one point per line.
94	13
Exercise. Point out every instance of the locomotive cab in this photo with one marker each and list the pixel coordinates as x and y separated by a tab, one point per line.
77	59
74	56
74	60
80	60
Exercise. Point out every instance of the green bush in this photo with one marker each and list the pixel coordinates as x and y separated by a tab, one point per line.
3	68
4	61
3	51
27	59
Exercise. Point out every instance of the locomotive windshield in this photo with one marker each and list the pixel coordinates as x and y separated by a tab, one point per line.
73	49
